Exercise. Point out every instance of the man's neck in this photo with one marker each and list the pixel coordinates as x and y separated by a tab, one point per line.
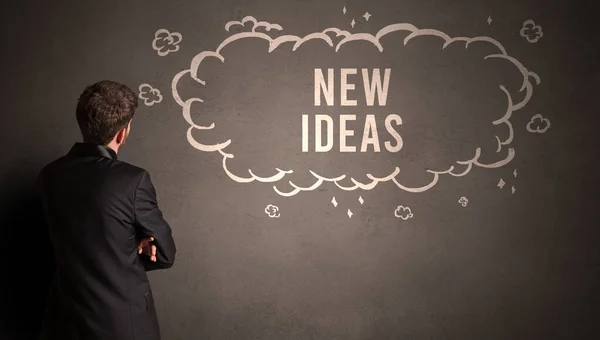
113	146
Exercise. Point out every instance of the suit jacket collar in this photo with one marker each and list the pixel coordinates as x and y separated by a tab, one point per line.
90	149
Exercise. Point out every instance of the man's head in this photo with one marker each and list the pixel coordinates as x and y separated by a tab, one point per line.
104	113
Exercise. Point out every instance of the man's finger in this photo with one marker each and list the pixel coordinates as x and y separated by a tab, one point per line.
149	249
143	242
140	247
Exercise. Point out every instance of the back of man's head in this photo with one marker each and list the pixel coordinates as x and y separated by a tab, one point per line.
103	109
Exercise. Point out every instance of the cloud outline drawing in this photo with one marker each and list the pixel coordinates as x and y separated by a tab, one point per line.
536	28
171	40
148	100
463	201
537	127
272	211
400	209
328	35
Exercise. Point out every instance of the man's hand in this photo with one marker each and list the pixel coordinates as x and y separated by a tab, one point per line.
145	246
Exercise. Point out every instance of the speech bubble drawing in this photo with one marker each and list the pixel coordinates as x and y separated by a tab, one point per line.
335	38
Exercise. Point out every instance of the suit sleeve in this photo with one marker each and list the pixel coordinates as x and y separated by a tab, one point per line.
149	221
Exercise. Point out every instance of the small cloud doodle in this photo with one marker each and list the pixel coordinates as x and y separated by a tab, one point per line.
149	95
403	212
538	124
272	211
463	201
166	42
531	31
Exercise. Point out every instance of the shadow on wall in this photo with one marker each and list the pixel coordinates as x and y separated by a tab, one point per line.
27	260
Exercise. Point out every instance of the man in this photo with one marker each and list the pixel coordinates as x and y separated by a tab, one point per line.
106	228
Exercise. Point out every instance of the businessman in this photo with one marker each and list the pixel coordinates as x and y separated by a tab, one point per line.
106	228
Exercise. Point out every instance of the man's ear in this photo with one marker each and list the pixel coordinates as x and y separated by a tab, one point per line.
121	136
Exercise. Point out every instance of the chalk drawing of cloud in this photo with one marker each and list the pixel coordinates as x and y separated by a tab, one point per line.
531	31
149	95
166	42
403	212
335	38
272	211
538	124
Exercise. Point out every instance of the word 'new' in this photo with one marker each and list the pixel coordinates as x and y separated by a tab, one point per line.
371	85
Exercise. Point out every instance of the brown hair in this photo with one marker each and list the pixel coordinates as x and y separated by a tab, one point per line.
103	109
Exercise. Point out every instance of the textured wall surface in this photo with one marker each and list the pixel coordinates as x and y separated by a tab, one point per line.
330	169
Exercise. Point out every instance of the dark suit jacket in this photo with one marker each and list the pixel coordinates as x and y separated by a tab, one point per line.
97	209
